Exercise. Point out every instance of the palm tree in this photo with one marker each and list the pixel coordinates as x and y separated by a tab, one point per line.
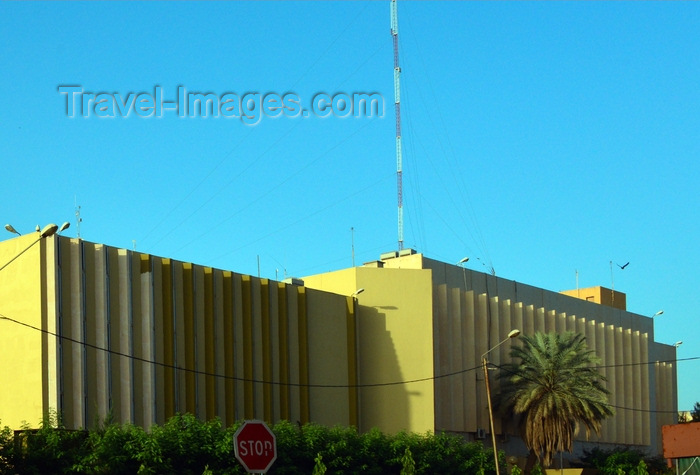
554	388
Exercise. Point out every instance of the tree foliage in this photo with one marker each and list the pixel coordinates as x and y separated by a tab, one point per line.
625	460
554	387
185	445
695	412
408	464
691	416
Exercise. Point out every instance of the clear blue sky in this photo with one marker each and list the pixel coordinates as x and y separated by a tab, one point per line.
541	138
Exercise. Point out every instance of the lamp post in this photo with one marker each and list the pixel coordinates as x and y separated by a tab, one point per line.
49	230
653	317
484	362
461	263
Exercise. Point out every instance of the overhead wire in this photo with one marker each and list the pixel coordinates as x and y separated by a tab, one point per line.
502	368
269	190
376	51
471	225
228	377
447	224
411	170
228	183
230	152
414	207
191	192
367	252
303	385
331	44
305	217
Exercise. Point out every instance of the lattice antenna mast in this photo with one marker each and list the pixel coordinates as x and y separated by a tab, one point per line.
397	110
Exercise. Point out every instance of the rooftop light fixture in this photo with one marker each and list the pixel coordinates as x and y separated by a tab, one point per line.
12	229
49	230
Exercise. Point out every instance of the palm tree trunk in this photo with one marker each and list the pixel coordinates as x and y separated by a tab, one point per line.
531	461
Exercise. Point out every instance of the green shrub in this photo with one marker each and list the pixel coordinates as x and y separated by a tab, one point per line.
408	465
50	449
623	461
7	453
186	445
537	469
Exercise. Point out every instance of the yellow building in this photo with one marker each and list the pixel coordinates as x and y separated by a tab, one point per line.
601	295
427	323
87	329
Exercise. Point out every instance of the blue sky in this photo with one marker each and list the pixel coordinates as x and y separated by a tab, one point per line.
541	138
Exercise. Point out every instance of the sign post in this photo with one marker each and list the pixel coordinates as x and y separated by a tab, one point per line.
255	446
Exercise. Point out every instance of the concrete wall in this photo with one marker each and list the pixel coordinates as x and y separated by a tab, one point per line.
474	311
601	295
144	337
22	349
395	345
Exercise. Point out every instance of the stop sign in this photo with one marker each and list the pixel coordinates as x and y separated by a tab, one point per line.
255	446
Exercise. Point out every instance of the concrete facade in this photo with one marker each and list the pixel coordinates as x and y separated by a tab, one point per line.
91	329
471	312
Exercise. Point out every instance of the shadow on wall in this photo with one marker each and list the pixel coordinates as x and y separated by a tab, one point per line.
383	394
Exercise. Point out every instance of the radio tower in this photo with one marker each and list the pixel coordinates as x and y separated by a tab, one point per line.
397	110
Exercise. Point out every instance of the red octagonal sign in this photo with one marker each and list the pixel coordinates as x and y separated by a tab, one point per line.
255	446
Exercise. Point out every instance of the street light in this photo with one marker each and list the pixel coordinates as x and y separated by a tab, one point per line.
49	230
12	229
677	344
461	263
484	362
660	312
357	292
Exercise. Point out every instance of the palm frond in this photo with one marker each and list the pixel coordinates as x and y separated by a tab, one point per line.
554	386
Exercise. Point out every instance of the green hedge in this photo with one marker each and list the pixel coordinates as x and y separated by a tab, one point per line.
185	445
624	461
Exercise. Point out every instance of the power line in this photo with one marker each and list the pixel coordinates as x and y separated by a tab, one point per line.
607	403
470	222
201	182
304	218
310	385
233	378
231	151
271	189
